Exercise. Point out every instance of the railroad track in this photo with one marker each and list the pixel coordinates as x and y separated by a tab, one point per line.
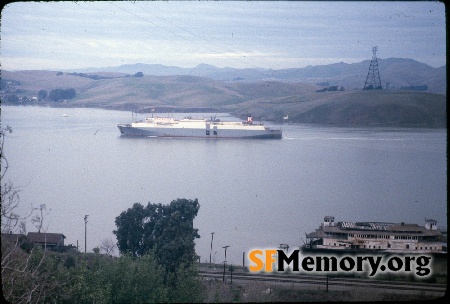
331	281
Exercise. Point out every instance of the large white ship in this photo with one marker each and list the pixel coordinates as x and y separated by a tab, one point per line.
376	237
198	128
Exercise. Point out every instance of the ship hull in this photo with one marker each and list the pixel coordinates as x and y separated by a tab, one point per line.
129	130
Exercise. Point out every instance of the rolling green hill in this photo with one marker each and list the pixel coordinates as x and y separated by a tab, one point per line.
267	100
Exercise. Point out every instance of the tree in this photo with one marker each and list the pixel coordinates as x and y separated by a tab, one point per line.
107	246
9	193
168	230
60	94
130	230
42	94
137	280
13	98
176	234
139	74
38	219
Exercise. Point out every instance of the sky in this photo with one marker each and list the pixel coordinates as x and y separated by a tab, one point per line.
238	34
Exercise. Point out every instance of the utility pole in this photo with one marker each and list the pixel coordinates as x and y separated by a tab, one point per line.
225	247
225	262
85	231
212	238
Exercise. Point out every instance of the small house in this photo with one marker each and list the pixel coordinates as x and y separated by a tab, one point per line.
51	241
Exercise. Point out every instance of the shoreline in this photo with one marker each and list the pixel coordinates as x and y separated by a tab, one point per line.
219	111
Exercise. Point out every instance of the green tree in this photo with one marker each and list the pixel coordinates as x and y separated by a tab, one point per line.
185	286
130	232
60	94
13	98
137	280
42	94
166	229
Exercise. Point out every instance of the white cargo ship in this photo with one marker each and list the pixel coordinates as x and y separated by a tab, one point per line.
198	128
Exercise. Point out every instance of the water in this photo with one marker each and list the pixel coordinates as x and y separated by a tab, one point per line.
252	193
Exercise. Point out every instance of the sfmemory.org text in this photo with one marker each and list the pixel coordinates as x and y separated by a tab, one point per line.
266	259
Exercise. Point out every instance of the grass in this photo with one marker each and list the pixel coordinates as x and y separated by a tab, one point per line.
218	292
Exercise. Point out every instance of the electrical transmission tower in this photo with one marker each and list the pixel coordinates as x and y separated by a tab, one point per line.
373	81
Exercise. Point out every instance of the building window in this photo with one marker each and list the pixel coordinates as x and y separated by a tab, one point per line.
407	246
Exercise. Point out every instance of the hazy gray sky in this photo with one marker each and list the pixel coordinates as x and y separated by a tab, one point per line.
64	35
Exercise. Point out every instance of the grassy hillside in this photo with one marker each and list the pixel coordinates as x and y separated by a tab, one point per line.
264	100
378	108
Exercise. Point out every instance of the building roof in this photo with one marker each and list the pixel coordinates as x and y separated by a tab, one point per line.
13	237
316	234
44	237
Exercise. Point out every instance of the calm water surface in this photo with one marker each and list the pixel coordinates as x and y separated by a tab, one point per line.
253	193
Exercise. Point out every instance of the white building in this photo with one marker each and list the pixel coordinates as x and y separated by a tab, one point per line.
375	236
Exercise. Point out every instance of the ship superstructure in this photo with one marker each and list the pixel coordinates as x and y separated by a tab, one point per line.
375	236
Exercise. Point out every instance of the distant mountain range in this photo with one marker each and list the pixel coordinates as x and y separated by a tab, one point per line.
394	73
